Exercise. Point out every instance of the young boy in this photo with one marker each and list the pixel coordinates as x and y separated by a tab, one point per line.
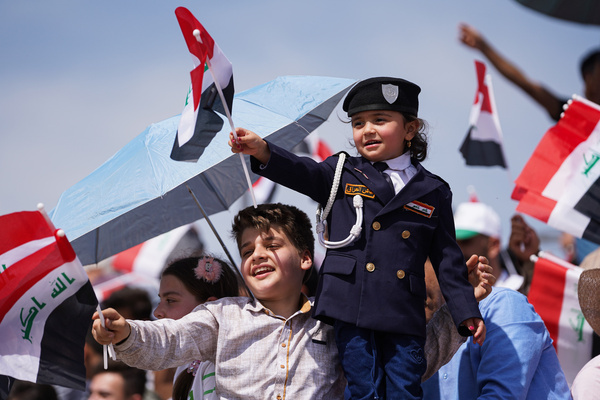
264	348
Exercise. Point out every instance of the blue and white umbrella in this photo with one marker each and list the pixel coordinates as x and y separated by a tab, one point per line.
140	192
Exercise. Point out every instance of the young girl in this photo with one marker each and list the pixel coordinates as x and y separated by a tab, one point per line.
184	285
371	285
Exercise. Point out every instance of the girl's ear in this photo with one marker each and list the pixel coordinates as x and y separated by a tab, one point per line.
412	128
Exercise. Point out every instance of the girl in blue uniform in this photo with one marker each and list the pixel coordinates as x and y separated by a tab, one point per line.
381	222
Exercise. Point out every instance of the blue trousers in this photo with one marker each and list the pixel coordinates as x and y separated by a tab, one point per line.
380	365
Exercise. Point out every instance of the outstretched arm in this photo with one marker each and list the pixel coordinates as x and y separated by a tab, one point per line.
472	38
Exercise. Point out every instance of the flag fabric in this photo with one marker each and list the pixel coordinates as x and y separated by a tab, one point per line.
553	294
203	114
46	303
560	183
483	143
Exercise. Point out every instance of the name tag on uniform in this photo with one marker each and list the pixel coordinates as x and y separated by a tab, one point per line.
360	190
420	208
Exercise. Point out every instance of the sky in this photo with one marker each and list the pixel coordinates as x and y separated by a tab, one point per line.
79	80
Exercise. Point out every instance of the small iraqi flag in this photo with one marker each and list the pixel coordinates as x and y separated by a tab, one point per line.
560	184
203	114
553	294
483	144
46	304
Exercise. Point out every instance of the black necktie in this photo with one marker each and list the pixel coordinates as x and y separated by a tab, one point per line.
382	166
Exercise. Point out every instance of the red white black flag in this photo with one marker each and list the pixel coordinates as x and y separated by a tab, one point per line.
483	144
553	294
46	303
560	184
204	112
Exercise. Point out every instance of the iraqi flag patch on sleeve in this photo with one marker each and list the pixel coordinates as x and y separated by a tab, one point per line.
420	208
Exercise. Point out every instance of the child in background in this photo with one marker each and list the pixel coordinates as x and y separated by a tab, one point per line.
371	284
184	285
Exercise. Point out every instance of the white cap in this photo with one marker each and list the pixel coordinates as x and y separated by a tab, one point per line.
475	218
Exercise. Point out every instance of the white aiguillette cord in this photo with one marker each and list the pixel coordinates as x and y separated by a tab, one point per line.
321	219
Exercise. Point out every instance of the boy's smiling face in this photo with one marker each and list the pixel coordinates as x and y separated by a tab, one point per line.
272	266
379	135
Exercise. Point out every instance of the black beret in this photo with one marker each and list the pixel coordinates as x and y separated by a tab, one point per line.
383	93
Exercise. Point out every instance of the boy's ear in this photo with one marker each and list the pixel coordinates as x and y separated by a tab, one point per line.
307	261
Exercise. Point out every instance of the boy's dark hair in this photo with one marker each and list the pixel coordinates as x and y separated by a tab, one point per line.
418	147
589	61
293	221
134	378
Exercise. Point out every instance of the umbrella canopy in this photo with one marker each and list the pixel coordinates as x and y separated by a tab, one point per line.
140	192
581	11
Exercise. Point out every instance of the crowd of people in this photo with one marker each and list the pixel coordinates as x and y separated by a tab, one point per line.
403	304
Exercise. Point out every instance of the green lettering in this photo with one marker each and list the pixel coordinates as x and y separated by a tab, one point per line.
590	164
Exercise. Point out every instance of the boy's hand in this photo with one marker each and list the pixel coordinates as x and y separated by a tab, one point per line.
117	328
477	327
480	276
250	143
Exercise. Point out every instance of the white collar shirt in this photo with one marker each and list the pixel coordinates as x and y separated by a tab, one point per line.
400	170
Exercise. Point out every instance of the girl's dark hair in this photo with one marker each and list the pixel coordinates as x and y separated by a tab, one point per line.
228	285
418	148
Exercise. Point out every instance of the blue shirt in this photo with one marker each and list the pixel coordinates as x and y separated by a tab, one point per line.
516	361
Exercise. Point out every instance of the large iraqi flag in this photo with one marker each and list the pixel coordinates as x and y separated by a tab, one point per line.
553	294
203	114
483	144
46	303
560	184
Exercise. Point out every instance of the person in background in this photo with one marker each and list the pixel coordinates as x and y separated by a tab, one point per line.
23	390
553	104
478	231
118	382
586	384
517	359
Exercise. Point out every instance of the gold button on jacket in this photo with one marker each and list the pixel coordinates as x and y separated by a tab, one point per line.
400	274
405	234
370	267
376	226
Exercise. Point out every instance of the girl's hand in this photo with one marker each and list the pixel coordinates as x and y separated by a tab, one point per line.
477	327
117	328
250	143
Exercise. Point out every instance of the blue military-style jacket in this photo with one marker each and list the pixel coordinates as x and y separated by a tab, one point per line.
377	282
